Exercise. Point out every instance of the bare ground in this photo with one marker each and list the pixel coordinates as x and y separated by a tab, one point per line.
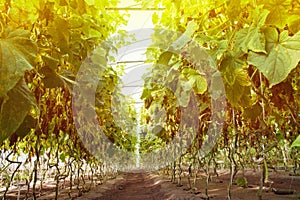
141	185
147	186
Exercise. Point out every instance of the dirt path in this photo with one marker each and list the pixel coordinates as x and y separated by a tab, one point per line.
148	186
141	185
137	186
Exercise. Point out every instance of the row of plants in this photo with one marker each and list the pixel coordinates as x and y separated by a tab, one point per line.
43	44
254	46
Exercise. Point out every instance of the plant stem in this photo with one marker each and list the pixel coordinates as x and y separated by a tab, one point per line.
35	168
13	174
261	185
189	176
179	173
57	170
231	153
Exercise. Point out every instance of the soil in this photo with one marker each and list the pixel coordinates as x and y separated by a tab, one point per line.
142	185
150	186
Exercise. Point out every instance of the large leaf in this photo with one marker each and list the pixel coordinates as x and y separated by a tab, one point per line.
17	54
238	93
251	113
52	79
237	83
231	63
279	12
283	56
296	143
290	42
196	80
60	32
183	91
251	38
217	52
294	22
186	36
14	108
164	58
234	93
26	126
178	44
199	82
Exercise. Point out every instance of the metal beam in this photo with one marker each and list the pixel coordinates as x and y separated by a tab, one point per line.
130	86
136	9
131	61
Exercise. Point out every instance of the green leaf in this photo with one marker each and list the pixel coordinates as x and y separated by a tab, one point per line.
17	54
272	38
51	78
60	31
283	56
186	85
14	108
183	98
164	58
157	129
90	2
241	76
259	16
62	157
242	182
246	100
199	82
182	92
63	3
233	10
189	71
251	38
296	143
216	88
290	42
237	89
155	18
217	52
99	57
146	93
294	22
50	61
251	113
186	36
279	12
229	65
234	93
26	126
